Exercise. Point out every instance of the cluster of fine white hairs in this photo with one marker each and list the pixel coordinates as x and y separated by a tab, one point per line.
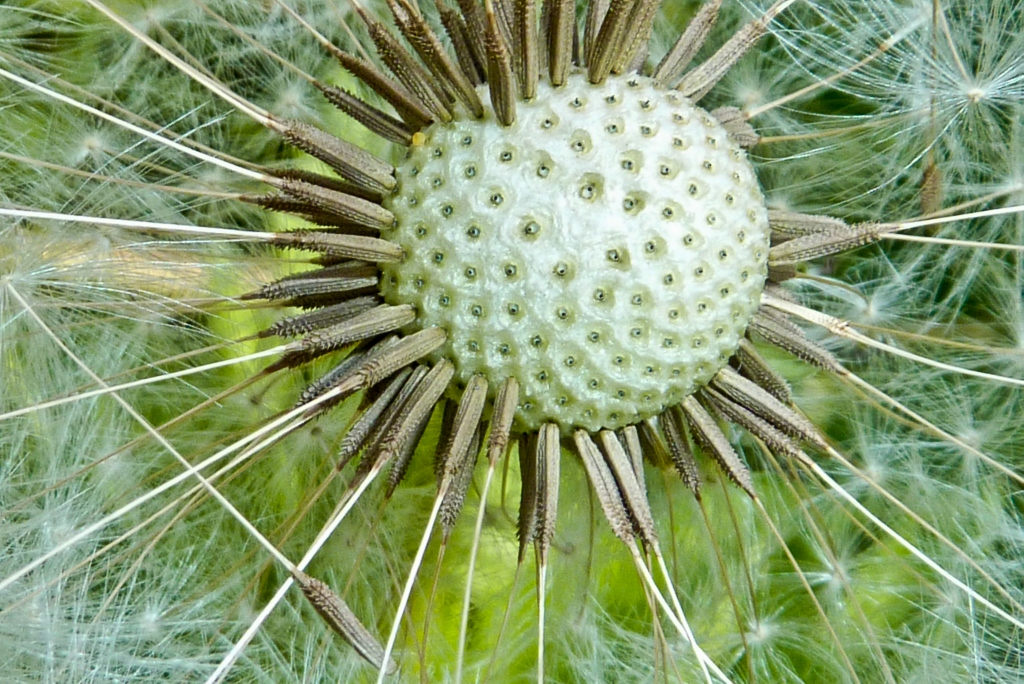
512	340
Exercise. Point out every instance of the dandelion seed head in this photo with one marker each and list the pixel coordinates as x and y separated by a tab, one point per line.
167	600
607	250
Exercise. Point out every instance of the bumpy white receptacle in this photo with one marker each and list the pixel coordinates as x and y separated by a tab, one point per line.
607	250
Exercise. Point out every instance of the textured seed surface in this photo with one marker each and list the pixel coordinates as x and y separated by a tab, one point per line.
607	250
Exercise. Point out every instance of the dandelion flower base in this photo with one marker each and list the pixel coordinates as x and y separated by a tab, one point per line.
607	250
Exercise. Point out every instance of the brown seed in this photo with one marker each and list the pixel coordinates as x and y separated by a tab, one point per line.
458	33
689	43
505	403
320	318
674	426
630	439
427	45
476	28
455	497
760	402
562	22
633	49
342	620
698	82
394	412
319	287
549	457
409	107
787	225
609	40
403	434
776	441
526	529
370	323
631	491
343	372
603	482
931	188
596	12
444	437
717	444
754	367
826	243
324	181
352	163
381	123
405	351
527	62
499	69
348	208
735	124
406	69
356	435
344	246
796	343
467	420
